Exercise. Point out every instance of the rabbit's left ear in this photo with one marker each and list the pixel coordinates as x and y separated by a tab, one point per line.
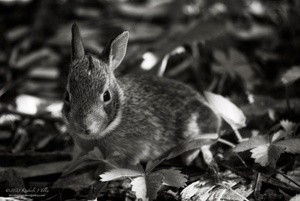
117	49
77	47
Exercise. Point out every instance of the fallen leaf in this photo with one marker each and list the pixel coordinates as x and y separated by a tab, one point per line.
230	189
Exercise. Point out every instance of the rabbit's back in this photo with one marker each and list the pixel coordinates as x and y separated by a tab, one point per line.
159	113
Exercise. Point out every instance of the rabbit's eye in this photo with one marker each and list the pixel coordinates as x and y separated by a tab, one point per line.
106	96
67	97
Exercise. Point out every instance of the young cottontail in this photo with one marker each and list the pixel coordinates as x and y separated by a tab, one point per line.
138	116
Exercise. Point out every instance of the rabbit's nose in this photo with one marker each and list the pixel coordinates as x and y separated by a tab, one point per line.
88	128
84	128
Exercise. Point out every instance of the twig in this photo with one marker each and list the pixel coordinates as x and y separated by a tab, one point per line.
278	172
226	142
238	135
240	158
265	179
257	186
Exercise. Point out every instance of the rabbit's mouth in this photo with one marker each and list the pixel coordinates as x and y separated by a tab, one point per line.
95	131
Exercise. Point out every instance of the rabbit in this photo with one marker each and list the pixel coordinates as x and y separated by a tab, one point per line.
138	116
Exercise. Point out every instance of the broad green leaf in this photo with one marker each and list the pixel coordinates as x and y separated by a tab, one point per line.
95	154
251	143
260	154
228	111
121	173
147	186
153	181
291	75
290	145
173	177
274	153
153	164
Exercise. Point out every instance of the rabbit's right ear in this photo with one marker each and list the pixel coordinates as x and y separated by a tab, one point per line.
117	49
77	47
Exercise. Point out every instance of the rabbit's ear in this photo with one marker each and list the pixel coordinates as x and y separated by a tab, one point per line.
77	47
117	49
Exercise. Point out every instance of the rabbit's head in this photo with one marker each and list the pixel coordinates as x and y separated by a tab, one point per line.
93	98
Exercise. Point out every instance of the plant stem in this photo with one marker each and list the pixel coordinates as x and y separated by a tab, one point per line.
226	142
238	135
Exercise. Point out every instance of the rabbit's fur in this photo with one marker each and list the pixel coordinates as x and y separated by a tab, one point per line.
142	117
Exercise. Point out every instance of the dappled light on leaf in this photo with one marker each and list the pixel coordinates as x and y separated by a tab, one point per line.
260	154
228	111
149	61
32	105
288	126
278	135
120	173
291	75
146	184
28	104
140	188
